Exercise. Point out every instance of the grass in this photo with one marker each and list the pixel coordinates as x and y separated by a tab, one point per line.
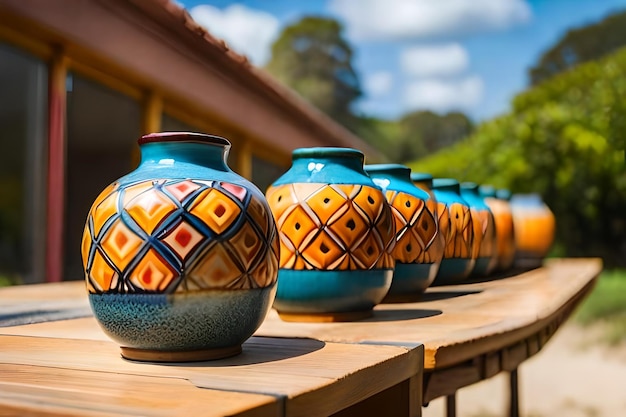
607	305
5	281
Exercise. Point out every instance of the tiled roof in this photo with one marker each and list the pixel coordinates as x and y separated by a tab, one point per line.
182	25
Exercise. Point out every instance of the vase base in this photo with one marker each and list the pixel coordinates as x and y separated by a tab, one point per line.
325	317
145	355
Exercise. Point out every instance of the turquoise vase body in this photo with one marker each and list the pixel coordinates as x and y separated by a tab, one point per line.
485	243
180	255
455	215
416	232
336	232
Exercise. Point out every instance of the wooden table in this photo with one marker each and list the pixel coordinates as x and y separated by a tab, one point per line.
458	334
70	367
472	331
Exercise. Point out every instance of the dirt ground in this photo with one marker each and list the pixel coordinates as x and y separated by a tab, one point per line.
574	375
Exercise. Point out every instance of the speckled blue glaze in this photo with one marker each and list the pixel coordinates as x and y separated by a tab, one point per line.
409	280
182	322
312	292
452	270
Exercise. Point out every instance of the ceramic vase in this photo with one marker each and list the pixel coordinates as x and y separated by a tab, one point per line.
484	246
417	260
180	255
498	203
534	229
336	235
424	182
454	213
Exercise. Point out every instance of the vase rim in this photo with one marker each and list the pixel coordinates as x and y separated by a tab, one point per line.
387	168
327	152
445	183
421	176
469	186
184	137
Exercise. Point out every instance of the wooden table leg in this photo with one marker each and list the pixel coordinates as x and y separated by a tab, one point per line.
451	405
514	394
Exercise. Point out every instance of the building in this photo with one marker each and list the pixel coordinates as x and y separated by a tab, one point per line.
81	80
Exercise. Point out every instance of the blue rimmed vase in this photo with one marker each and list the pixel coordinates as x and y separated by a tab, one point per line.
180	255
416	252
336	235
455	215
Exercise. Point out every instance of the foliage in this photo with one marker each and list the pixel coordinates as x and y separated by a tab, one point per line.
414	135
435	132
581	45
607	303
313	58
565	140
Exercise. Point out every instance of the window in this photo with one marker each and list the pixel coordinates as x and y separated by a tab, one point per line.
102	131
23	138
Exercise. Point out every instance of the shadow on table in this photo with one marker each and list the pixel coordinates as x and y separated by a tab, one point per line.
260	349
445	295
402	314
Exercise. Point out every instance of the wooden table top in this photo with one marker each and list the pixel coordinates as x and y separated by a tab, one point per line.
294	369
457	323
70	367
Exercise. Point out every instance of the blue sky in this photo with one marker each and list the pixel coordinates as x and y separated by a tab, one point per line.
440	55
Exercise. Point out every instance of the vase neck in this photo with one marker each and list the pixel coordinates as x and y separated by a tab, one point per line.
198	153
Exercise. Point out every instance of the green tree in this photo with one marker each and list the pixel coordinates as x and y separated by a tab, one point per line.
313	58
432	131
581	45
565	140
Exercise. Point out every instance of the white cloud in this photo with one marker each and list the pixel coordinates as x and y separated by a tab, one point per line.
444	95
434	61
427	19
378	84
247	31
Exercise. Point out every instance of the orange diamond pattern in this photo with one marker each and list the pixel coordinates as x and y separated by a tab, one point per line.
154	244
370	201
248	243
322	252
416	227
326	202
181	190
101	273
183	239
216	209
216	269
152	273
298	227
121	244
149	208
104	211
323	226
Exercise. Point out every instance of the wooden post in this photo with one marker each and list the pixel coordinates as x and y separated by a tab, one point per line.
152	113
451	405
56	167
514	399
244	159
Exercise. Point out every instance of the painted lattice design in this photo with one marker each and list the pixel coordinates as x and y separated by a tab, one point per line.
179	235
332	227
416	227
484	234
455	221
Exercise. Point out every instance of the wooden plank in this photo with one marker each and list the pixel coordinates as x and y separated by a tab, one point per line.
468	320
38	390
314	377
